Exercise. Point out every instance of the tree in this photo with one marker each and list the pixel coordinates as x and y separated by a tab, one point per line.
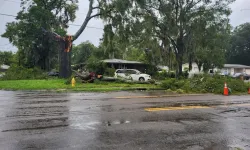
6	58
52	16
35	48
239	50
82	52
96	8
171	22
209	46
118	46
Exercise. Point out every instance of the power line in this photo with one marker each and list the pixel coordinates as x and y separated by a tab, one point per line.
5	44
12	1
87	26
8	15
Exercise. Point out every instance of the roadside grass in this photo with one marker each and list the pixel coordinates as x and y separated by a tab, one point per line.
59	85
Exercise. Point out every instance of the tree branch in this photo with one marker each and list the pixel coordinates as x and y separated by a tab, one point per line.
97	7
191	6
173	42
89	17
84	24
93	16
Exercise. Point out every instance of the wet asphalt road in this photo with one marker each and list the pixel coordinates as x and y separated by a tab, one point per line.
43	120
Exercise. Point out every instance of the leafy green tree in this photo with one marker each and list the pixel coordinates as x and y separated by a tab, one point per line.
135	54
6	58
35	48
82	52
171	22
239	51
209	46
39	49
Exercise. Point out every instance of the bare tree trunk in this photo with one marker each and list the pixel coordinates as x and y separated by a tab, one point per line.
179	59
64	61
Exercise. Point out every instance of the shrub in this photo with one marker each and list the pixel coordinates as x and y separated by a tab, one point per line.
169	91
151	70
215	84
96	66
237	86
109	72
186	86
20	73
164	75
167	84
68	81
161	76
173	84
206	84
180	91
184	75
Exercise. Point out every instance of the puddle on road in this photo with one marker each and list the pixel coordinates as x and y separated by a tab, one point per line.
116	122
43	101
36	124
91	125
180	104
42	107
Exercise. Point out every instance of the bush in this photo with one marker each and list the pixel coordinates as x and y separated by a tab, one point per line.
20	73
173	84
184	75
164	75
96	66
109	72
151	70
180	91
237	86
215	84
206	84
169	91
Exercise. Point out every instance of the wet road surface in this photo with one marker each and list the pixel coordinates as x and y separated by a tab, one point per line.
123	120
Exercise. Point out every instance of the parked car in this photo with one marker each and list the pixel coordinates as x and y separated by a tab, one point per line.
132	74
53	73
245	76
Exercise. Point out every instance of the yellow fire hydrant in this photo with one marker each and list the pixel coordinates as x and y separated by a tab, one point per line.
73	82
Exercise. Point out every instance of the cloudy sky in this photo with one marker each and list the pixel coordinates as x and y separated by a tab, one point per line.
94	30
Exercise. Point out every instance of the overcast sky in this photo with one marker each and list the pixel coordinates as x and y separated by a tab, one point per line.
94	31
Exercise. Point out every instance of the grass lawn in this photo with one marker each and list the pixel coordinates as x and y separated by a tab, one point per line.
59	84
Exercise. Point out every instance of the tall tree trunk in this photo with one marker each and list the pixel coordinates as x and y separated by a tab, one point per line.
179	59
64	61
190	62
179	54
169	58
